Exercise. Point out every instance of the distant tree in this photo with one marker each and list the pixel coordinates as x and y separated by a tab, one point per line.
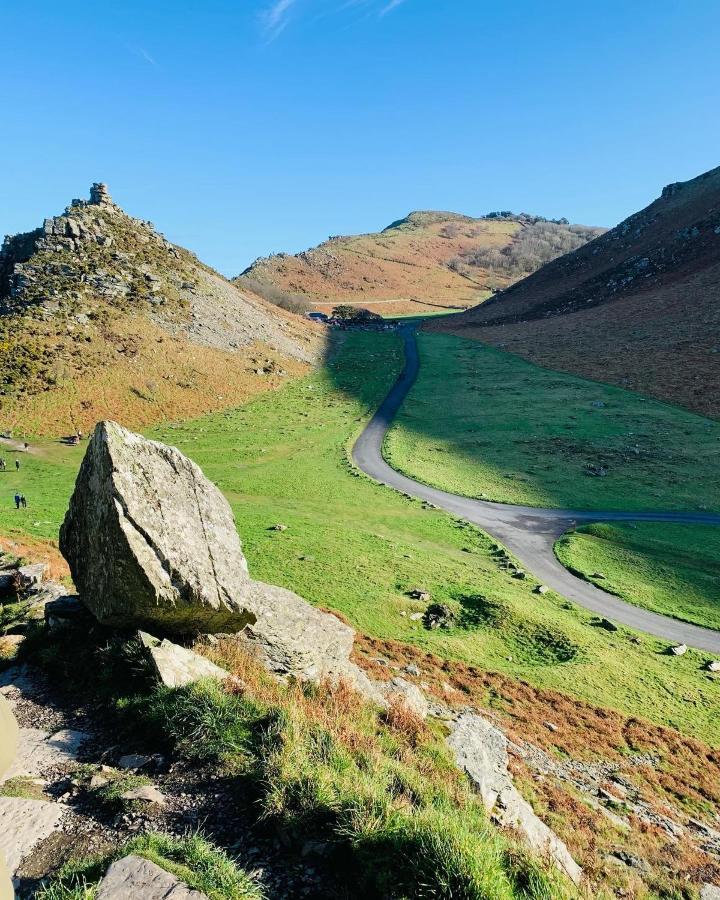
355	314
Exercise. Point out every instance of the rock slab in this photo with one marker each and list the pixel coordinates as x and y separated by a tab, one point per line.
23	824
133	877
150	540
480	749
176	666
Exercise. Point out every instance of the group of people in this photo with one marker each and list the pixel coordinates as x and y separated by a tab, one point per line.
20	500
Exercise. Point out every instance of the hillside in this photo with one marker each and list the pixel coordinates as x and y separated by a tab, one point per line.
638	306
427	262
101	316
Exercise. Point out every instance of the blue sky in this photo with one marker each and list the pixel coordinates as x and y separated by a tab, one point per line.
247	127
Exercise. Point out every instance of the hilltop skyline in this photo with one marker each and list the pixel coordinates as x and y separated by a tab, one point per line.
243	132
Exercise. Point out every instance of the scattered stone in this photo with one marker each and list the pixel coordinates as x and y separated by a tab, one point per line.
279	527
416	616
38	751
631	861
599	576
146	792
31	576
412	669
176	666
678	650
134	876
437	615
134	761
542	589
551	726
420	594
520	574
408	693
149	539
98	780
712	665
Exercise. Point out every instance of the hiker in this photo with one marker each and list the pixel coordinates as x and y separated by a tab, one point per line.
17	501
17	464
23	501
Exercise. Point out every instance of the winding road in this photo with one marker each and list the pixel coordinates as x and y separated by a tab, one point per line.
528	532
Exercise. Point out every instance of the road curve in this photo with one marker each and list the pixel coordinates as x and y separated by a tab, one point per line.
528	532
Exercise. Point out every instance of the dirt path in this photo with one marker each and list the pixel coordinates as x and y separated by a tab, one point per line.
528	532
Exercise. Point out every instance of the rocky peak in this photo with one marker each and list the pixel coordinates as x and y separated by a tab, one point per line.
99	195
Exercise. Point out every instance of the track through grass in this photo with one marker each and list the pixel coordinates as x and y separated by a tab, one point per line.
360	548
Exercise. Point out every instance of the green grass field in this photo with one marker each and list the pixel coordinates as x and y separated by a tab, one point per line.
486	424
669	569
358	548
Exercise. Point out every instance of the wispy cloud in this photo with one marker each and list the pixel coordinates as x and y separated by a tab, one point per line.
275	18
144	54
389	7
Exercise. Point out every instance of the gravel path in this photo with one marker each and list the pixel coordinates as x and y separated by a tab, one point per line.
528	532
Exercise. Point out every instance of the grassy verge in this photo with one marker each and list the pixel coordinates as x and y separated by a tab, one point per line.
359	548
487	424
670	569
192	859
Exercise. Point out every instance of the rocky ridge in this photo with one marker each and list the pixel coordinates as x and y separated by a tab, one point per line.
96	288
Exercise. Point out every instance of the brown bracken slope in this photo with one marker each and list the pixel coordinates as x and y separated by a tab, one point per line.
638	306
102	317
427	262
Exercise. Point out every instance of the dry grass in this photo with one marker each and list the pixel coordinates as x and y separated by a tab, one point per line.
37	550
681	778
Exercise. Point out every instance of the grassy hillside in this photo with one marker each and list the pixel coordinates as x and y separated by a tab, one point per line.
359	548
101	316
489	425
426	262
534	663
670	569
637	307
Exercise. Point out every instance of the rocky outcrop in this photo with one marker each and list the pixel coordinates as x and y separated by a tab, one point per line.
480	749
150	541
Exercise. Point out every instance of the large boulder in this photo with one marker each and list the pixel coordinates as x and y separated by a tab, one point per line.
152	544
150	541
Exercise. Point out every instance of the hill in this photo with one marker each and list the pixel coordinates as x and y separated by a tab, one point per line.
101	316
638	306
427	262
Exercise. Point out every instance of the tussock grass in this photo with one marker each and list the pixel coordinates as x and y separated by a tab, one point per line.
378	789
192	859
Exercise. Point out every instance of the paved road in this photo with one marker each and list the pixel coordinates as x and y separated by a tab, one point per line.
530	533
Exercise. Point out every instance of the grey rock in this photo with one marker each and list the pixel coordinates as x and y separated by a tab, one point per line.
176	666
150	540
412	669
133	877
709	892
712	665
64	612
407	693
31	576
480	749
678	650
134	761
542	589
146	792
23	824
